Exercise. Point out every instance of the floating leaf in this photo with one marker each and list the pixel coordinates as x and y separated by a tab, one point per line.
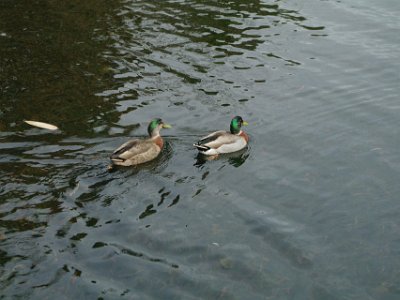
42	125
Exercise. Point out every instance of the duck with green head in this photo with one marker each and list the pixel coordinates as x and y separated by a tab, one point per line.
139	151
222	141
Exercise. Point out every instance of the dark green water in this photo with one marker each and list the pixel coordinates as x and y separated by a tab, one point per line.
309	211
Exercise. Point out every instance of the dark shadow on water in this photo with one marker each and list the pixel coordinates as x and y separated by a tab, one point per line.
53	67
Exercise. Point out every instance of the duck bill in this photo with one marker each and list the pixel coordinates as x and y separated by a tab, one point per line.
166	126
245	123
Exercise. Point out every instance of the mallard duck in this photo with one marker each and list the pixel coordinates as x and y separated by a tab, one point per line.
139	151
224	142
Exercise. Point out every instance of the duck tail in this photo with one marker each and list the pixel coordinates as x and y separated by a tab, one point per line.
201	147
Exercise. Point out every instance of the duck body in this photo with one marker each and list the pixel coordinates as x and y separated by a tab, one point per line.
139	151
220	142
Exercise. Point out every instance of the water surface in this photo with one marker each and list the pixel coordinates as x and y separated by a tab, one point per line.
308	211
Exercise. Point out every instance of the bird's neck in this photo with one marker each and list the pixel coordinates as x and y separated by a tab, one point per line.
158	141
244	135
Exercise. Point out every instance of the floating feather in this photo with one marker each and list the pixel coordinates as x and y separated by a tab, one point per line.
42	125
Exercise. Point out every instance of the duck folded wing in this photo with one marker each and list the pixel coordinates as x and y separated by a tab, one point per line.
211	137
218	139
131	149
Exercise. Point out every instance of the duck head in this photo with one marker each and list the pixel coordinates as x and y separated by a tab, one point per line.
155	126
236	124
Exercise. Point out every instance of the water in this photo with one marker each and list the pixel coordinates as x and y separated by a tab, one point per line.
308	211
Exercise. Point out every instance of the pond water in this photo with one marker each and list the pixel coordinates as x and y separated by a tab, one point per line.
310	210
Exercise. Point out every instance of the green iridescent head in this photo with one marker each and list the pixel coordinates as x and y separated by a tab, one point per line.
236	123
155	125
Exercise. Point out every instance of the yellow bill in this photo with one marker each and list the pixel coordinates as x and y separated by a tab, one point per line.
166	125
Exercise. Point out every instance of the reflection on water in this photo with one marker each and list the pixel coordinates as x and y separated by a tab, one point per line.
307	211
235	159
52	64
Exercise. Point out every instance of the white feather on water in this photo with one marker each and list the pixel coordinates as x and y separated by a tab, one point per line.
41	125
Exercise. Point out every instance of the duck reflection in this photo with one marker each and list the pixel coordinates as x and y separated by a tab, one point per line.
235	159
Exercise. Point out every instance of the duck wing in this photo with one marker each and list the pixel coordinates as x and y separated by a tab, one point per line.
130	149
216	140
